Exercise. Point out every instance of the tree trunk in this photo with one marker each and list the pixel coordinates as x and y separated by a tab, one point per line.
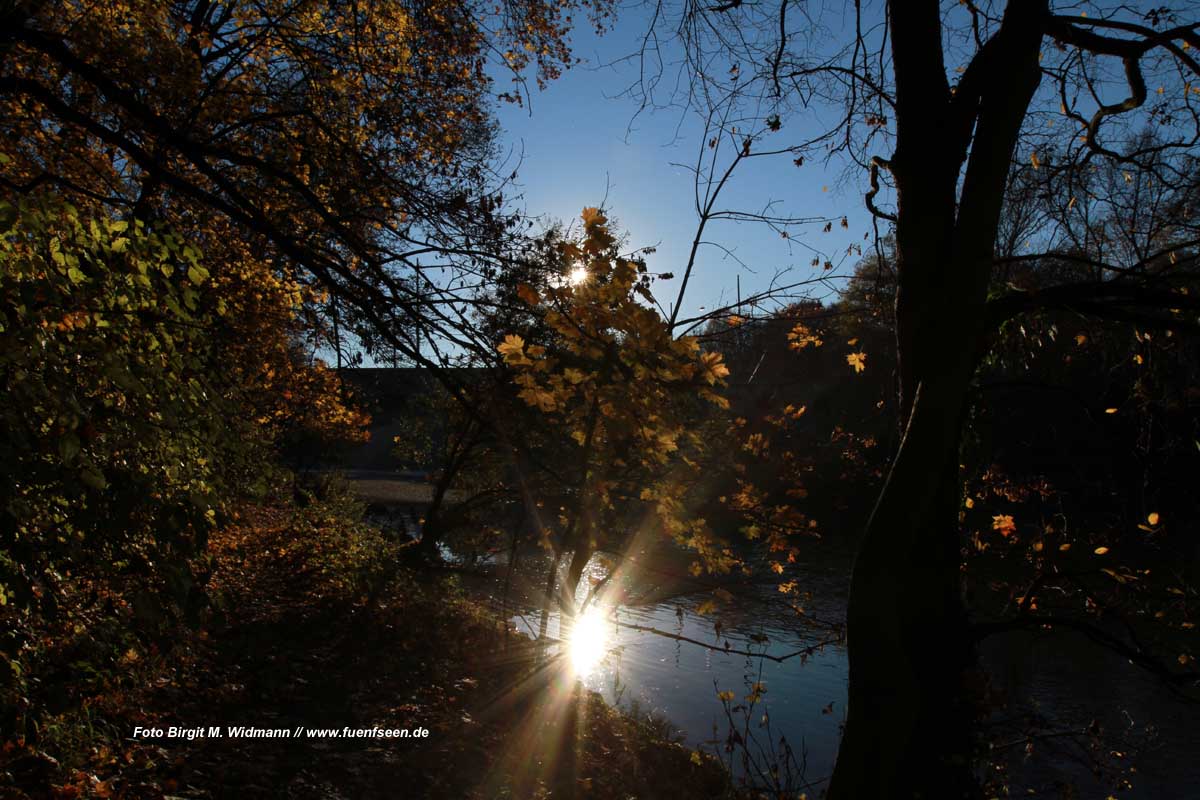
548	597
432	528
907	732
579	561
908	726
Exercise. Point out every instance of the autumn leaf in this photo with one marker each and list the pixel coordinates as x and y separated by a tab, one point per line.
528	294
858	361
756	444
1004	524
512	349
593	216
539	398
801	337
714	367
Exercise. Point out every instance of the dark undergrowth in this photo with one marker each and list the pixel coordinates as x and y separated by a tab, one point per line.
313	625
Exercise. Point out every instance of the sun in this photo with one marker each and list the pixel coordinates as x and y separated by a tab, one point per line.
577	276
588	641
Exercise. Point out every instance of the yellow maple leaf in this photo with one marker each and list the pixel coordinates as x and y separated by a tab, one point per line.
801	337
512	349
539	398
1004	524
714	367
593	216
858	361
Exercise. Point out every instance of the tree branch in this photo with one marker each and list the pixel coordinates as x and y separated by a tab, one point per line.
1136	655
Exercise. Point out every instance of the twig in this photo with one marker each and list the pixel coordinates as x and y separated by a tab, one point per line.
807	651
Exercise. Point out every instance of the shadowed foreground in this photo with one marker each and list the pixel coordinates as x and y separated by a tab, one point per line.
315	629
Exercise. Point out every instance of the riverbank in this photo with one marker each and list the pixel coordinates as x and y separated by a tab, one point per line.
313	627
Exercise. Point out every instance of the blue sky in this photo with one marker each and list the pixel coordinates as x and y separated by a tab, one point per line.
578	139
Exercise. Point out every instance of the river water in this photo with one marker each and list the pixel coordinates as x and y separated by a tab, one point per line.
800	699
1073	720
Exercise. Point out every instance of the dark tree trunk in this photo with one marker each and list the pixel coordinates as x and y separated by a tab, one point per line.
579	561
433	529
908	728
907	731
548	597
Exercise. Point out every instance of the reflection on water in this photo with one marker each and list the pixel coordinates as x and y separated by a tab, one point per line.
1052	684
588	642
640	668
1092	716
1102	721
